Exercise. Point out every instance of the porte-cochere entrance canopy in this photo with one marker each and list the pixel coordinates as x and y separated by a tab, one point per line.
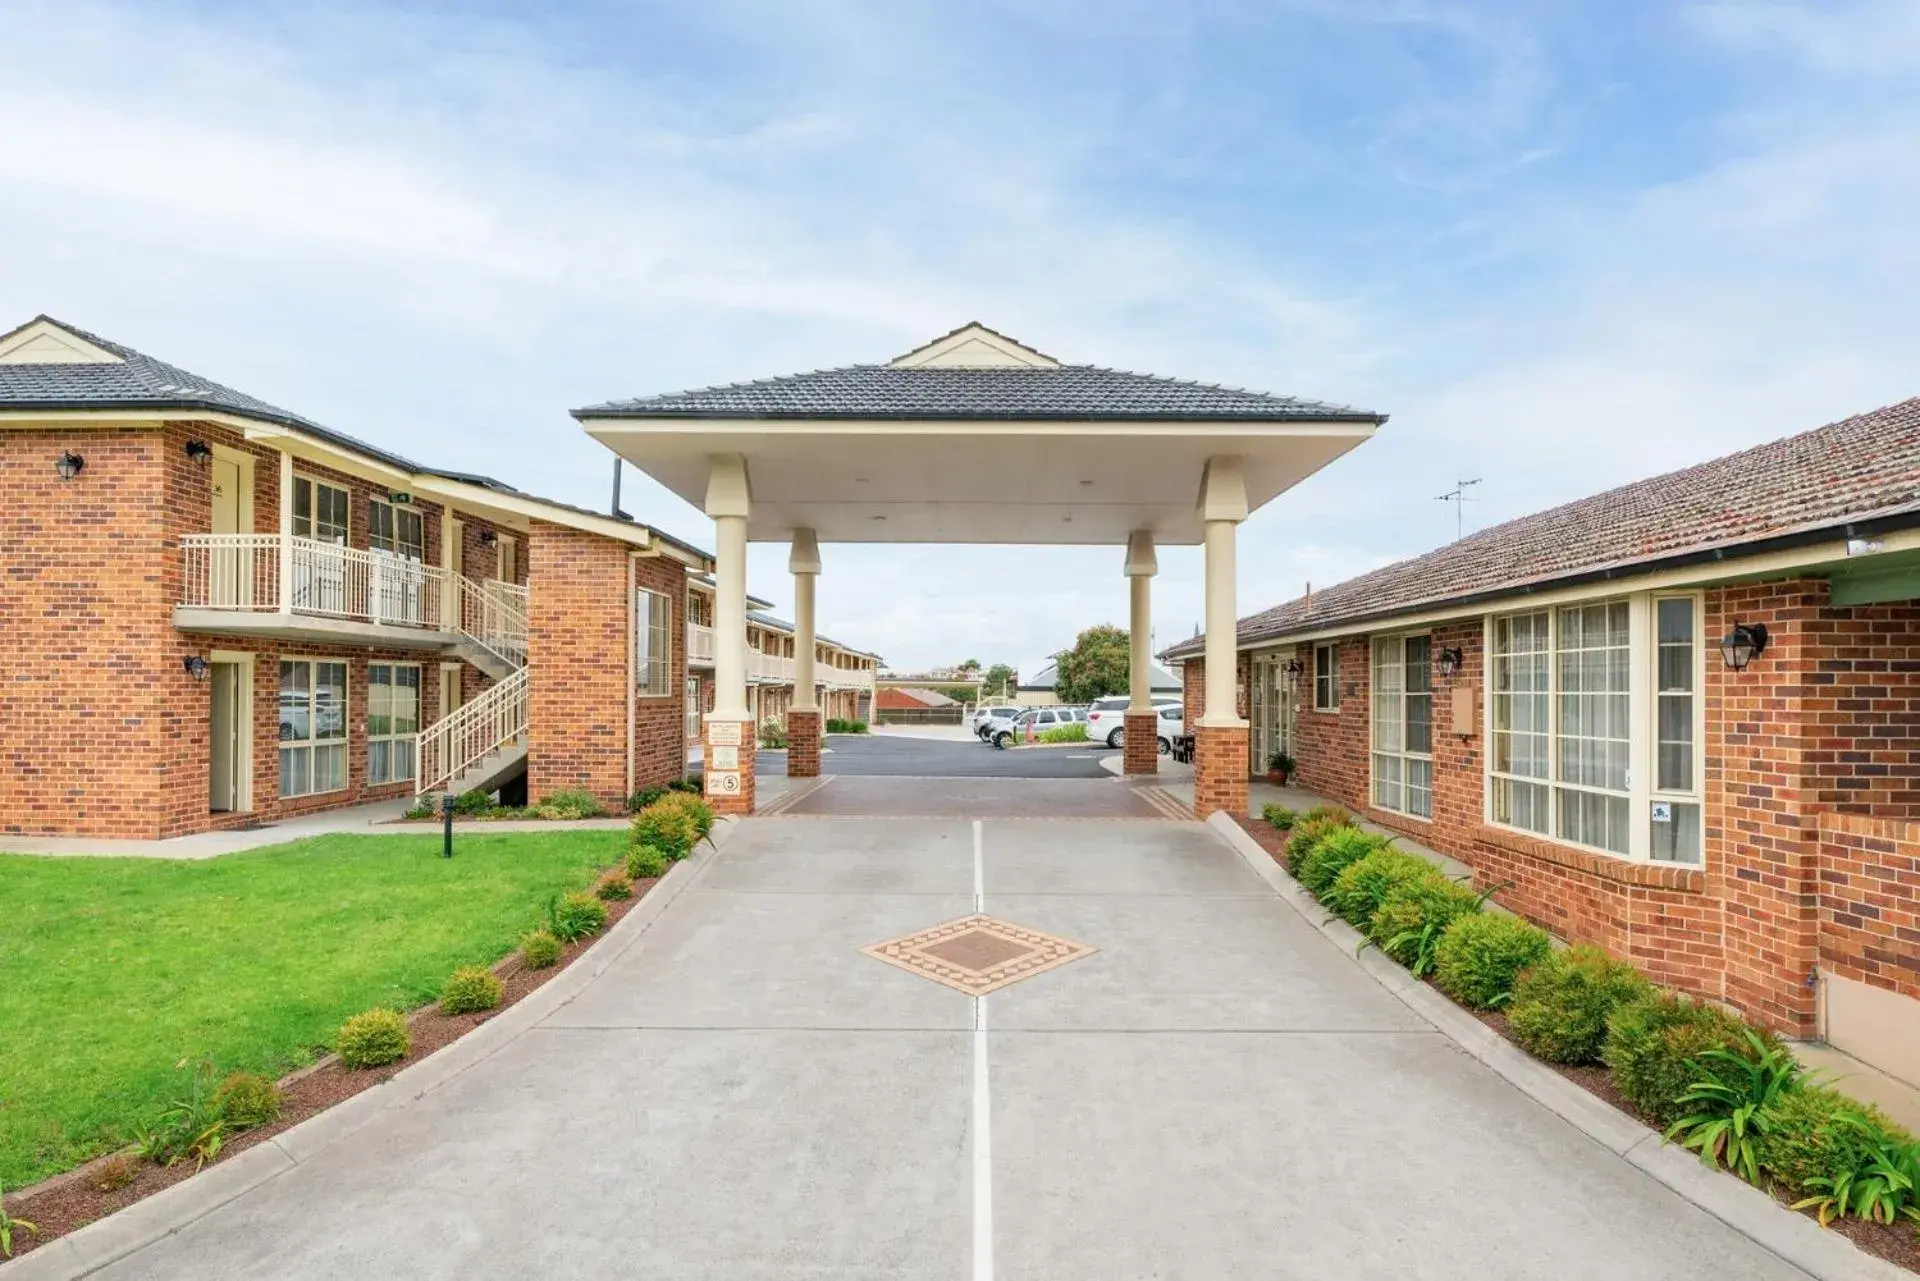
976	438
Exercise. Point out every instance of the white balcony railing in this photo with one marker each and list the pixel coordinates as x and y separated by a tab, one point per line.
249	572
699	643
769	667
494	615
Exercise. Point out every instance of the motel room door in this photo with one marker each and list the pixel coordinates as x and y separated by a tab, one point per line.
227	784
1273	709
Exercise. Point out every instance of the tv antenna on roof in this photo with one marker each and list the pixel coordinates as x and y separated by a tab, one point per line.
1458	497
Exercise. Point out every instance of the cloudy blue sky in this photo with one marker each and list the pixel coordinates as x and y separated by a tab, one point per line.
1564	245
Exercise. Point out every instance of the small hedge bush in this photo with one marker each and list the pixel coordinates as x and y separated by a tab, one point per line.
569	804
1815	1132
1482	953
668	828
773	734
1356	894
646	863
1650	1041
1413	916
1280	817
1559	1008
840	725
472	804
575	916
695	808
469	989
373	1039
1073	733
691	786
247	1100
614	887
1334	853
539	949
643	798
1307	833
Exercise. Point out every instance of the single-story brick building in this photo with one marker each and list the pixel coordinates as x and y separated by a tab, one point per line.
1680	719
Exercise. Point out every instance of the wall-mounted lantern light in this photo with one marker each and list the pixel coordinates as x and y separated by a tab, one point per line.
1293	667
1743	644
488	538
200	451
69	465
1449	660
196	666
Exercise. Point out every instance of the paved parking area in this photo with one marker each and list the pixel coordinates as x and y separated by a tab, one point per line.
1215	1092
898	756
892	797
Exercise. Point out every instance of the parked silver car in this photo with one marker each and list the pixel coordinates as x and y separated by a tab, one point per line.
984	715
1007	732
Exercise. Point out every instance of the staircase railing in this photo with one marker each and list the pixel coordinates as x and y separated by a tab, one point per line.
454	743
494	616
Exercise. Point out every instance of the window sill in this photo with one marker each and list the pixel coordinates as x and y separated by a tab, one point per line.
1389	817
1684	877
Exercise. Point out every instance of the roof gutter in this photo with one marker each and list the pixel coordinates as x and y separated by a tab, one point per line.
1862	528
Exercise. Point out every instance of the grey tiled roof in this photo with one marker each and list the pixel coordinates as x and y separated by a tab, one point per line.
1859	469
1049	676
1000	392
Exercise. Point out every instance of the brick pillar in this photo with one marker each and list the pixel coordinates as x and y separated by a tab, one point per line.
803	743
1219	770
728	790
1143	743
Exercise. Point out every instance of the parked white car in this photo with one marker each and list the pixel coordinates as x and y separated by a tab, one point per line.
983	715
1107	718
1007	732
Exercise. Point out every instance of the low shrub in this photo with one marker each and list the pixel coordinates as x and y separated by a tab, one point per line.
773	734
1307	833
472	804
539	949
1482	953
1334	853
1653	1044
193	1125
643	798
1279	817
1817	1132
614	887
1883	1188
423	807
1729	1106
1356	894
575	916
248	1100
1073	732
691	786
1412	917
646	863
694	807
114	1173
668	826
569	805
470	989
841	725
1327	813
1559	1008
373	1038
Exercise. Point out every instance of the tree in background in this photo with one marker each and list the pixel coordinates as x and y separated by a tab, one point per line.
971	665
1096	666
1000	680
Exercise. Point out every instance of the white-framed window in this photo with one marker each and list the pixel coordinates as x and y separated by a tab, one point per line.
313	726
1326	678
1402	705
693	709
319	510
393	721
396	529
1594	725
652	644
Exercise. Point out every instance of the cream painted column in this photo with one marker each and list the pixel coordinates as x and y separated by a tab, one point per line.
450	588
1220	738
286	532
803	562
1142	565
727	503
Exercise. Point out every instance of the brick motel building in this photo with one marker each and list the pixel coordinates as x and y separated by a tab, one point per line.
1680	719
218	613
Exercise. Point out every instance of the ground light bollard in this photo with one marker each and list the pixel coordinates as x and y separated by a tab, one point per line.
446	815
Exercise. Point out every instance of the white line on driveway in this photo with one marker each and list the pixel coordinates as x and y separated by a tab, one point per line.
982	1100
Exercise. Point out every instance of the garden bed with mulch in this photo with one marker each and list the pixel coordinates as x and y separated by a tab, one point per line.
70	1201
1896	1243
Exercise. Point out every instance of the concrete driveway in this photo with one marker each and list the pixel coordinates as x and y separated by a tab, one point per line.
898	756
1215	1092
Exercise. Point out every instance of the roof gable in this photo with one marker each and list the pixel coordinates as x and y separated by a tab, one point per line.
973	346
44	341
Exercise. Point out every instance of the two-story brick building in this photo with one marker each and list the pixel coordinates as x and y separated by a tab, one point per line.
1680	719
219	613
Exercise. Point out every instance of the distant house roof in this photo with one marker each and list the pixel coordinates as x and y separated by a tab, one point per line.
52	373
899	697
1861	469
1049	676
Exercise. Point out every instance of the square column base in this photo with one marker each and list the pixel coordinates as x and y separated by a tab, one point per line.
803	743
727	766
1219	770
1142	754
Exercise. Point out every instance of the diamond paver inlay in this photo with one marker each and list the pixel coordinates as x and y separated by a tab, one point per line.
978	954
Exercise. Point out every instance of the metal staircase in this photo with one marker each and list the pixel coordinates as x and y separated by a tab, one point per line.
483	743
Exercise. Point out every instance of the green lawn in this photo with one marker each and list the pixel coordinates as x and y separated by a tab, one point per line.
113	971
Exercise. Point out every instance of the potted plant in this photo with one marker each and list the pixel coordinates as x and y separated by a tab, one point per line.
1279	767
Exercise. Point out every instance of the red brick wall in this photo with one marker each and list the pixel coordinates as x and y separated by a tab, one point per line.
1331	746
1864	698
659	724
1869	913
577	647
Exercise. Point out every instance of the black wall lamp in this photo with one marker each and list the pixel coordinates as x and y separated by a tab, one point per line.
69	465
1293	667
1449	660
196	666
1746	642
488	538
200	451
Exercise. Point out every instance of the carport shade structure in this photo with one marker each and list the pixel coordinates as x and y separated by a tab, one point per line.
977	438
